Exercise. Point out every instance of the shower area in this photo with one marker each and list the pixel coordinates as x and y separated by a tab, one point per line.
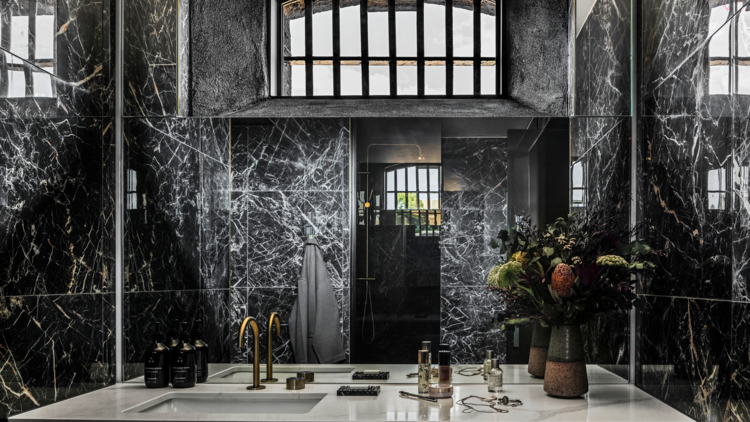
430	195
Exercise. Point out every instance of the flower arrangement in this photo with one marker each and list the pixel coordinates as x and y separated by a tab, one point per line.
573	270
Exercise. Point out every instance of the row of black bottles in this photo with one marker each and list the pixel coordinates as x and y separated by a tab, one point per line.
181	361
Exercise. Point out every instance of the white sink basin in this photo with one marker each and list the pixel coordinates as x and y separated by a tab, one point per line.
229	403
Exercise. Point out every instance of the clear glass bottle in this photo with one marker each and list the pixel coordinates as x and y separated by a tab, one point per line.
423	371
495	379
487	365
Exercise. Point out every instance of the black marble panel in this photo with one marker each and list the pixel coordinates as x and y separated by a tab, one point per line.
51	210
606	341
162	223
741	201
685	182
466	323
239	241
602	70
54	348
237	313
739	402
684	351
150	58
216	313
216	202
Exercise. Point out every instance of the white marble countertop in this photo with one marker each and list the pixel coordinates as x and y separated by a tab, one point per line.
602	403
513	374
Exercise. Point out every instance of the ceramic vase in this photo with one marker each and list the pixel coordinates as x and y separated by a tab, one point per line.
538	353
565	374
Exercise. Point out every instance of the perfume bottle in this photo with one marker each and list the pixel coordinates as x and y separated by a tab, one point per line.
423	371
487	365
495	380
444	368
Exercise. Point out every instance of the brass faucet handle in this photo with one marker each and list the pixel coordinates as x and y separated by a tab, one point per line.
274	318
254	325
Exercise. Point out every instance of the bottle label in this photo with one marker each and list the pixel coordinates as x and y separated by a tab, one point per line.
154	375
199	364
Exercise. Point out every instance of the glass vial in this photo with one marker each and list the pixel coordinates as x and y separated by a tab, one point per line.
423	372
495	380
487	365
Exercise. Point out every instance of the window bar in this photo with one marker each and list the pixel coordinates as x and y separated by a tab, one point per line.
365	48
477	47
498	47
31	49
308	48
392	47
449	47
336	18
420	48
504	49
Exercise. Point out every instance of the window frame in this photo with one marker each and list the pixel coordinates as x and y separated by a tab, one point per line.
31	61
401	213
277	61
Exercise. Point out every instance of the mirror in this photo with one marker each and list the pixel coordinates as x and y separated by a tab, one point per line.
403	210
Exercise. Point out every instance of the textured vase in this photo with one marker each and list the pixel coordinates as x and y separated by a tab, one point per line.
565	375
538	353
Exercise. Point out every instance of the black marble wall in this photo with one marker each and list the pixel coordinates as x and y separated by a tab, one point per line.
600	145
287	174
177	232
474	210
57	208
692	344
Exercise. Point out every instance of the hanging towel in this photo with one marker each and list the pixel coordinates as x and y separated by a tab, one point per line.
314	324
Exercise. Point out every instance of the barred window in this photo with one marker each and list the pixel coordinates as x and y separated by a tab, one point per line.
389	48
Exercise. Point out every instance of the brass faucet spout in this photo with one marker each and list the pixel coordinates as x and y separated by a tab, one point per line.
269	364
256	351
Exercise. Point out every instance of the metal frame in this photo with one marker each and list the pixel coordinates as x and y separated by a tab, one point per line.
119	182
393	61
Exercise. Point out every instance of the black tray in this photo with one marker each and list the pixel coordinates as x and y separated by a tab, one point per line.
371	391
379	376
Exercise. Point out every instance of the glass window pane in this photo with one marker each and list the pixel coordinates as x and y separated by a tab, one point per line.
350	32
298	80
400	179
351	79
413	201
424	201
294	29
716	179
377	28
719	44
577	196
390	181
407	80
434	29
19	38
463	28
489	77
42	84
16	84
322	79
422	179
400	200
463	80
322	28
716	201
45	35
578	175
411	174
487	22
743	38
406	28
434	201
434	180
718	80
434	78
379	80
743	79
391	201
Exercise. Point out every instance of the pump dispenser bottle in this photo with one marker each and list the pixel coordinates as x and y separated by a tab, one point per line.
173	336
201	352
183	363
487	365
156	363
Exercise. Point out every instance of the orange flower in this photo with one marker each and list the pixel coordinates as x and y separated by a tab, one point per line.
563	280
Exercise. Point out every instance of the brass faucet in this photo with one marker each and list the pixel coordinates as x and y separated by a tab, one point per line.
269	366
256	353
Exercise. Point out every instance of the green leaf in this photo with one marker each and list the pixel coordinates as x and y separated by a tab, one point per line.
555	262
548	251
503	249
535	259
494	244
503	235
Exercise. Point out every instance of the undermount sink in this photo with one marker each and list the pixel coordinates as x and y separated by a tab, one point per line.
281	372
229	403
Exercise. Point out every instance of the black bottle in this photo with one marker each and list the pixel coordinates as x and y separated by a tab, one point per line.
173	336
183	363
156	363
201	352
